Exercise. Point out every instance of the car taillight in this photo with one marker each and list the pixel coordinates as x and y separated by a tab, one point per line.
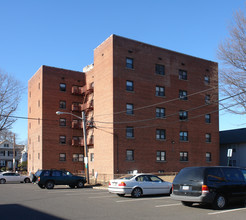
205	189
38	178
109	184
122	184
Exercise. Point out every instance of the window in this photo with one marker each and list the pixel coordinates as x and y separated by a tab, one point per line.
129	109
207	79
81	157
208	138
38	103
183	95
160	134
183	115
92	157
6	145
159	91
2	153
160	112
129	86
62	104
183	156
62	157
129	132
2	162
208	118
62	139
75	157
63	87
129	155
129	63
160	156
39	156
207	99
62	122
183	74
183	136
208	157
159	69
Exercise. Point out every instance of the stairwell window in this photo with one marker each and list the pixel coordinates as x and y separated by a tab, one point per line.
130	155
63	87
208	118
129	63
208	157
129	109
208	138
129	132
129	86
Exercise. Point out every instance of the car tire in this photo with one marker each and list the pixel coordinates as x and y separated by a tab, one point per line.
185	203
72	186
121	195
80	184
137	192
27	180
219	202
49	185
2	181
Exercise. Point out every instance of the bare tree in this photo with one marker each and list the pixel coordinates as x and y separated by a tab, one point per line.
10	93
233	75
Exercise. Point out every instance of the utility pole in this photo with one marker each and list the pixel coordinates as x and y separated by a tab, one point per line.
85	148
14	153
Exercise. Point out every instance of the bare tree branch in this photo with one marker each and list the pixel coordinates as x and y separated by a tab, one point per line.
10	94
233	75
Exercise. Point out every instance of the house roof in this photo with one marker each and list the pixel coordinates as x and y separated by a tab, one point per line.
235	136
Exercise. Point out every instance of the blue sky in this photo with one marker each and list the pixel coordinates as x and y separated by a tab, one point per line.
64	33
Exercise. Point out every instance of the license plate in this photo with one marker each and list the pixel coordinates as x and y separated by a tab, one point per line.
185	187
114	183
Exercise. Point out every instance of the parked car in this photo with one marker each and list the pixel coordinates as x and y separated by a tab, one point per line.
138	185
12	177
213	185
49	178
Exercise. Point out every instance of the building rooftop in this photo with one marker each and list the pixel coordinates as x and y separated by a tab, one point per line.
235	136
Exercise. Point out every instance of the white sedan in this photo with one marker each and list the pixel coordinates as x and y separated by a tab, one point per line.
138	185
12	177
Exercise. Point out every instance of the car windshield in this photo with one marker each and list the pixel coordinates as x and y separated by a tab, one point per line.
127	177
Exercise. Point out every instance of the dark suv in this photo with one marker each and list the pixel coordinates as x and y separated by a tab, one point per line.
215	185
50	178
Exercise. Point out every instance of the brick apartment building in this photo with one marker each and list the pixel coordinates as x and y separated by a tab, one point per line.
148	109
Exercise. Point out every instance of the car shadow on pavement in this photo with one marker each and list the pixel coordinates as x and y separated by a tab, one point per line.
16	211
231	206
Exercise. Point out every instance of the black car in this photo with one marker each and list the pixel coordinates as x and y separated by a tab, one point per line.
210	185
49	178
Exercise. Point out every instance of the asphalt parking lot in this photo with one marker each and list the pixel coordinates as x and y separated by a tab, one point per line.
28	201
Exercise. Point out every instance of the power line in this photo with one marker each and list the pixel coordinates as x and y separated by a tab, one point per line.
159	103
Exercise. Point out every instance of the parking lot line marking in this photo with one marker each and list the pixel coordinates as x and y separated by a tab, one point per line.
158	206
225	211
137	199
98	197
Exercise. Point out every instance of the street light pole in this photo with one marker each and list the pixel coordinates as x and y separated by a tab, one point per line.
86	149
85	141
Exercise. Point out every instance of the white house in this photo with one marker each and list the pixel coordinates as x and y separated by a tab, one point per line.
7	155
236	141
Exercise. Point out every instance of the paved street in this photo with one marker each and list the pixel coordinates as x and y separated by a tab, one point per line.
28	201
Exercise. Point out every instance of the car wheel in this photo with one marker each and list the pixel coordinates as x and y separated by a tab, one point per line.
219	202
80	184
2	181
72	186
27	180
49	185
41	186
136	193
187	203
121	195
